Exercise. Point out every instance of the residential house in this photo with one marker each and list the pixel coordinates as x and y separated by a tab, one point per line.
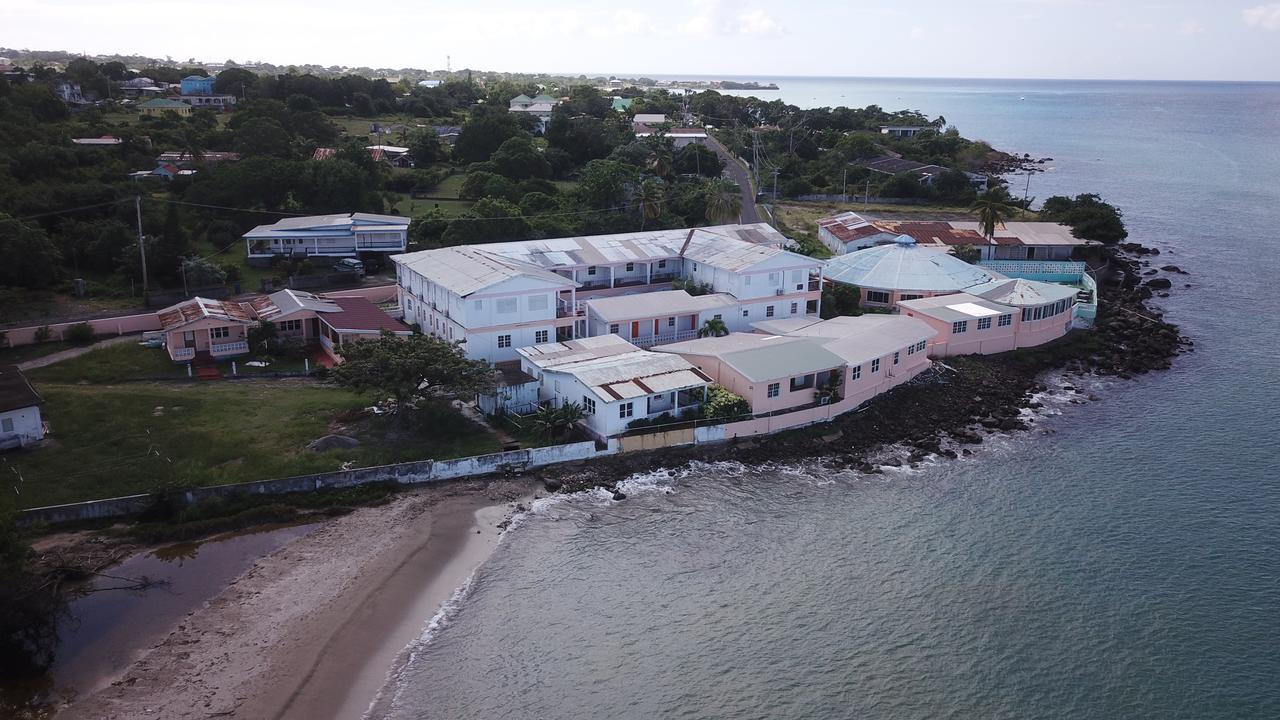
140	87
925	173
157	107
615	382
1028	241
69	92
104	141
903	270
905	131
221	103
205	328
196	85
620	104
391	154
849	231
448	134
649	118
210	158
683	136
340	235
659	317
359	319
996	317
20	421
744	261
295	314
540	106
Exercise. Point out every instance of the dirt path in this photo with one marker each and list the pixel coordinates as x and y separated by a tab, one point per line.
69	353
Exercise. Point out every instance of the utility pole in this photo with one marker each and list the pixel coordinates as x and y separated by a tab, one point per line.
775	184
844	183
142	245
866	198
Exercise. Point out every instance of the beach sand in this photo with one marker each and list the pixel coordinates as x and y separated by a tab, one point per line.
312	630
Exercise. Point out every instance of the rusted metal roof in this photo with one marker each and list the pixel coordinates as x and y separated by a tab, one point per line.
198	308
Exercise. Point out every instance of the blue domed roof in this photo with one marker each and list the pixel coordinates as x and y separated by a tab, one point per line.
905	266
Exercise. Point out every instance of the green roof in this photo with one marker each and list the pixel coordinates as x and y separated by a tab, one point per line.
622	104
544	98
164	103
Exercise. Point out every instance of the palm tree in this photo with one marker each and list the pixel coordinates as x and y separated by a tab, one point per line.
556	422
724	201
650	198
992	210
660	161
714	327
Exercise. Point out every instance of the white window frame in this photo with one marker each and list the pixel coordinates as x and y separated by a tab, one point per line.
504	341
773	390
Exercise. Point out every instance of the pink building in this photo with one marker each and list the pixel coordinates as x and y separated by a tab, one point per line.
995	317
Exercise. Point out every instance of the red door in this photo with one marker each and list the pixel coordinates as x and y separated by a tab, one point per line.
635	329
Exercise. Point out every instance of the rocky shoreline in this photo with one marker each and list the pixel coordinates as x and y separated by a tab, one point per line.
950	406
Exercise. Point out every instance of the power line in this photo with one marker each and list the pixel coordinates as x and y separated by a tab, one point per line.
72	210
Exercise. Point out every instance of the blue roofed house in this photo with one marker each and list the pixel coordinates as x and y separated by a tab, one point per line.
196	85
341	235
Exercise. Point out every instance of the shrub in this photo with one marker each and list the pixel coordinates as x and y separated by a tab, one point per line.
43	334
80	334
722	404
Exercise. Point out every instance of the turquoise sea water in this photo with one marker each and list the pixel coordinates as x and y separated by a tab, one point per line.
1121	560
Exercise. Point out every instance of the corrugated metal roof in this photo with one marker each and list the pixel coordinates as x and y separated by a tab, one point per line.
953	308
657	304
1029	233
761	357
904	265
283	303
617	370
468	269
550	355
198	308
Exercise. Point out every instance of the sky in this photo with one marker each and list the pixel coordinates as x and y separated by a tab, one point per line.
1084	39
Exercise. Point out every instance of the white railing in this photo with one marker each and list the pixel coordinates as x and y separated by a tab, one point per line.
651	340
182	353
230	348
1035	267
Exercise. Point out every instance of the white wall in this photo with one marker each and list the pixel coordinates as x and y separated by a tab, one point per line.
27	427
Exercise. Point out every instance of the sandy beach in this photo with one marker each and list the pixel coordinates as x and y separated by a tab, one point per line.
311	630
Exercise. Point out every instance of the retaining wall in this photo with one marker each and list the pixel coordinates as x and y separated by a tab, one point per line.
123	325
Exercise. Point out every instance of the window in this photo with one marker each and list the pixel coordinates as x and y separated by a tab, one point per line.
768	311
773	278
662	264
911	350
506	305
540	337
1005	320
631	267
746	279
290	325
875	366
959	326
220	333
588	405
774	389
537	302
717	316
695	267
504	341
626	410
895	358
671	322
802	382
877	296
922	345
909	297
746	312
591	270
479	304
794	308
1026	314
613	329
856	372
6	425
1039	314
984	323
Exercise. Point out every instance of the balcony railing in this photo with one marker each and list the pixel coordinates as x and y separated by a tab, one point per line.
229	348
814	284
180	354
651	340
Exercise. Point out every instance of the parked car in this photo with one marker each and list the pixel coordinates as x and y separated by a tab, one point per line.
349	265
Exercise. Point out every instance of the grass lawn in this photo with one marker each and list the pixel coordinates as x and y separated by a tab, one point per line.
114	363
23	353
111	440
411	207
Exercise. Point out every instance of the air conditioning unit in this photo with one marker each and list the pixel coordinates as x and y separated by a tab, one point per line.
799	287
779	291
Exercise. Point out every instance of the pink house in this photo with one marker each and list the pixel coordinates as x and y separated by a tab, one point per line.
995	317
208	328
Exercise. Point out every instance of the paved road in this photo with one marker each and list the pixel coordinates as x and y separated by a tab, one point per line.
738	174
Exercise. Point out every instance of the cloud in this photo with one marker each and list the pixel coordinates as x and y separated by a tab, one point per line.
1266	17
1190	27
713	18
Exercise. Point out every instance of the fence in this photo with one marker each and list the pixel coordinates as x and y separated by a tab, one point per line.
410	473
124	325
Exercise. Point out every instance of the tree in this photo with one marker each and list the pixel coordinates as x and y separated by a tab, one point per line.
490	220
659	161
650	198
518	159
484	133
724	201
408	369
31	259
603	184
553	423
713	327
840	299
723	404
234	81
262	136
698	159
1089	216
992	210
425	148
362	105
29	604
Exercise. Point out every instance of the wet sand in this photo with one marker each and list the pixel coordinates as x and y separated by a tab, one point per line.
312	630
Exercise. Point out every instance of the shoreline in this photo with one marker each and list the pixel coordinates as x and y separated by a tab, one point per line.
313	629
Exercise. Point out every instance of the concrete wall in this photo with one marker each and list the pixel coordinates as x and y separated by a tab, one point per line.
124	325
410	473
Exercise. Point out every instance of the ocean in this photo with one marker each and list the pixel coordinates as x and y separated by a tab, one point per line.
1119	560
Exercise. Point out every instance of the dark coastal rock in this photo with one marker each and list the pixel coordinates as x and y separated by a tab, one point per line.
1151	272
892	462
1159	283
552	484
619	495
1174	269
